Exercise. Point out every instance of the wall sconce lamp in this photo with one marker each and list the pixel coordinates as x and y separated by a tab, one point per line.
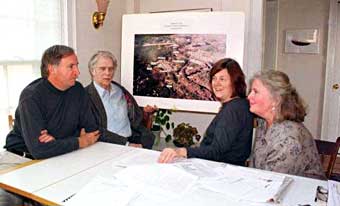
99	16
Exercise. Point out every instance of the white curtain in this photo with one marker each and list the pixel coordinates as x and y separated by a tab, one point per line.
28	27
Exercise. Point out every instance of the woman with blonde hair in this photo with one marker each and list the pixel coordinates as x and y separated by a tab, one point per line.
282	143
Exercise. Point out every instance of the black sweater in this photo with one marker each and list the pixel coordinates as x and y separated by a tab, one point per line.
61	113
229	136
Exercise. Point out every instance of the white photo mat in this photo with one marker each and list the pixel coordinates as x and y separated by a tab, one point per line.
229	23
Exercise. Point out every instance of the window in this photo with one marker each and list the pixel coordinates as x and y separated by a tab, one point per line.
26	31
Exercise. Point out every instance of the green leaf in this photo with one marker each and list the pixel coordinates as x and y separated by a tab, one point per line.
157	120
168	138
161	114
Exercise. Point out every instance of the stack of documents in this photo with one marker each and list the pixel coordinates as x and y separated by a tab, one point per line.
248	185
333	193
162	184
155	183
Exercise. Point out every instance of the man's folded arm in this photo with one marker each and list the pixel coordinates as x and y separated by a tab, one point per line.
32	123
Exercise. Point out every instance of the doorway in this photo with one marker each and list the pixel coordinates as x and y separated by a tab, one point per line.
331	109
305	70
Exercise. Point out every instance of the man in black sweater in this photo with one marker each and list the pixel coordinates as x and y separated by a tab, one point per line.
53	116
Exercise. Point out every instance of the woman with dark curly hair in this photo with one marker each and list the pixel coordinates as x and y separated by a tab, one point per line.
282	143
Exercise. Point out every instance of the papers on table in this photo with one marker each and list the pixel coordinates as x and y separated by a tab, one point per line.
8	160
333	193
155	182
196	167
103	191
161	183
139	157
248	185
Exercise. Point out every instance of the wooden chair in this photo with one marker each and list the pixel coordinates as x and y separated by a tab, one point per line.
148	119
328	151
10	121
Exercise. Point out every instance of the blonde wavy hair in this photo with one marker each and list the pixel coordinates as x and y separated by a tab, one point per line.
289	105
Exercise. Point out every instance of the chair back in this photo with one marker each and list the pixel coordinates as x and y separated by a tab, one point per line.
147	119
10	121
328	151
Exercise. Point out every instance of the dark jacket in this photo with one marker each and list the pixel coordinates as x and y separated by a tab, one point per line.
140	134
229	136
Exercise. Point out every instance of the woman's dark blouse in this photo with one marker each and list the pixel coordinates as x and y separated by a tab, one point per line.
229	136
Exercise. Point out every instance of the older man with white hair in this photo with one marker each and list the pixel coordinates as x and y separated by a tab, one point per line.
117	112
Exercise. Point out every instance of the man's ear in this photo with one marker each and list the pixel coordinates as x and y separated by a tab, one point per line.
51	69
93	72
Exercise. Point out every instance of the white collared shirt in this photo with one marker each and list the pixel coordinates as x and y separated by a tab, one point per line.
116	109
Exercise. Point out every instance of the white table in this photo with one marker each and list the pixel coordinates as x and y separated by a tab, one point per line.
53	180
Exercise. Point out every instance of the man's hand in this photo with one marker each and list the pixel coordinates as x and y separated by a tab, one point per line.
87	139
150	109
45	137
135	145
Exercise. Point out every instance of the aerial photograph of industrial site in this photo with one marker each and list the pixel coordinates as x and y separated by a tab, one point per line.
176	65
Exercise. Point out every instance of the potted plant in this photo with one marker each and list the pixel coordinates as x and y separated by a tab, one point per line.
185	135
162	124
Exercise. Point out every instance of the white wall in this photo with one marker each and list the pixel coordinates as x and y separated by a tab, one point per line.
306	71
270	35
89	40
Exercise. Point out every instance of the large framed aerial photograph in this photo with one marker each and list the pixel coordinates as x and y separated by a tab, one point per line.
166	57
